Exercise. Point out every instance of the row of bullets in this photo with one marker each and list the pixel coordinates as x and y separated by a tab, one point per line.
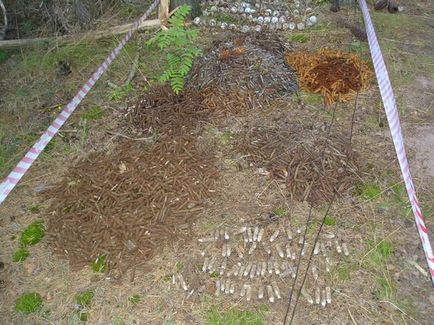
228	287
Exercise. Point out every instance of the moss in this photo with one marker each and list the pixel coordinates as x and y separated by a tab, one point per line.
33	234
235	317
300	38
329	221
28	303
134	299
99	264
280	212
367	191
20	255
386	289
94	113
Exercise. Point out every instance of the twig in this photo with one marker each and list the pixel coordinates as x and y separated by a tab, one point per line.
130	138
351	316
375	247
133	69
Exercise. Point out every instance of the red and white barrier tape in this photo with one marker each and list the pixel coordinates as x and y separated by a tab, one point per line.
23	166
396	132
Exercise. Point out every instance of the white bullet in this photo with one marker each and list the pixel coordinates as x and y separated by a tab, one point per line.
226	234
280	251
253	271
315	272
266	248
247	270
261	292
307	296
261	234
274	235
263	268
345	249
250	234
338	247
328	264
243	290
328	295
258	269
227	286
255	233
276	267
217	288
241	230
249	293
228	249
232	288
270	267
252	248
205	264
276	289
270	293
288	251
224	250
316	249
317	295
323	298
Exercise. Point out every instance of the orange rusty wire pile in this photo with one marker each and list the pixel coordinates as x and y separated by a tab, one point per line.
336	75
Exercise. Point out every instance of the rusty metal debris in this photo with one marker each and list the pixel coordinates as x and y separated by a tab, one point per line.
309	172
125	203
336	75
247	67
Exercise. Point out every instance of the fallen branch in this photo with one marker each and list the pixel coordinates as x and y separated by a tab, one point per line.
116	30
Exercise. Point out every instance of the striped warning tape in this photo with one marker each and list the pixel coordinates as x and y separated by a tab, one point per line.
395	129
23	166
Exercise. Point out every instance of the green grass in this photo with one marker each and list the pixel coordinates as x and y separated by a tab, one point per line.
379	253
33	234
280	212
134	299
367	191
92	114
329	221
84	299
343	272
235	317
20	255
385	289
28	303
121	92
3	56
34	209
99	264
300	38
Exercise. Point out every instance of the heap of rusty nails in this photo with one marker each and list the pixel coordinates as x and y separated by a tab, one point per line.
311	169
252	69
125	203
337	76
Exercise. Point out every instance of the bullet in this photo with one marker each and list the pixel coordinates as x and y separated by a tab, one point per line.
252	248
261	234
328	295
205	264
276	289
274	235
255	233
280	251
217	288
345	249
307	296
261	292
270	293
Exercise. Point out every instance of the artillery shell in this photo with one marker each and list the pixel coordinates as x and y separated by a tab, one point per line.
243	290
307	296
246	236
223	266
274	235
182	282
241	230
329	235
303	250
250	234
316	249
288	251
315	272
266	248
253	271
232	288
276	289
317	295
249	293
211	264
258	269
205	264
263	268
338	247
270	293
228	249
261	234
289	233
270	267
301	240
247	269
222	286
252	248
217	288
323	249
261	292
345	249
224	252
226	234
255	233
323	298
241	271
294	256
280	251
328	264
227	286
240	251
276	267
328	291
206	240
216	235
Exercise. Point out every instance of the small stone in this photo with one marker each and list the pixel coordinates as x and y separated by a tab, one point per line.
29	266
300	26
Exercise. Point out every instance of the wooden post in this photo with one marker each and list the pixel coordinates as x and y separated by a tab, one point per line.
164	11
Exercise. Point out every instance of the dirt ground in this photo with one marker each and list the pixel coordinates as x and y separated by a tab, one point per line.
381	281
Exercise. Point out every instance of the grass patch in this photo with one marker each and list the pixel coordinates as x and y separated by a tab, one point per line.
84	299
32	234
300	38
93	114
134	299
99	264
235	317
20	255
311	98
34	209
385	289
280	212
343	272
3	56
379	253
367	191
28	303
329	221
121	92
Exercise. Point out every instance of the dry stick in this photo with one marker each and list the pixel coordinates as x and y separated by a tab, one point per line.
305	231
